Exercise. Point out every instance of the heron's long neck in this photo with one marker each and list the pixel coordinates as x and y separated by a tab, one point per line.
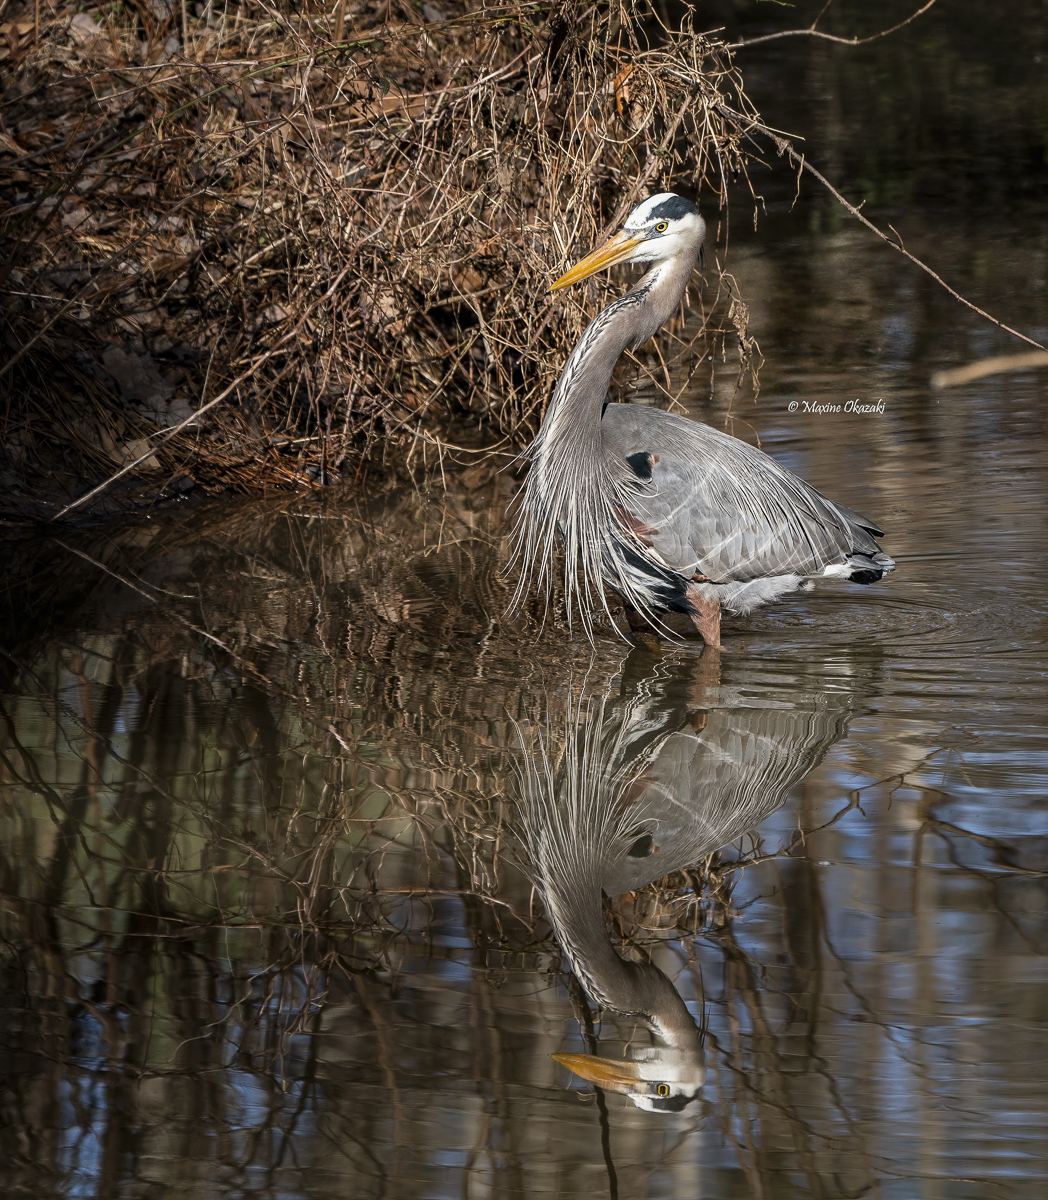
636	990
574	412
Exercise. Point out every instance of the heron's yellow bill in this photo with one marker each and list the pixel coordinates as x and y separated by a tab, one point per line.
617	250
613	1074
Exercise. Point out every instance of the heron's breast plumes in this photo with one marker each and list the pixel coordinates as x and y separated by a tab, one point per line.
576	493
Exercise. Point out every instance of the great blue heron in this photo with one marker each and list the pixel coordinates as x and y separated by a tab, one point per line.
618	792
671	514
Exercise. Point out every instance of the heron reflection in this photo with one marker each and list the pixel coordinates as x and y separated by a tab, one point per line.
617	792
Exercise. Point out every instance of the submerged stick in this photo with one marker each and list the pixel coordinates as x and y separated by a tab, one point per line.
997	365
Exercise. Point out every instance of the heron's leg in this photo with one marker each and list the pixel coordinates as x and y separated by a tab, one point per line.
705	615
642	631
638	623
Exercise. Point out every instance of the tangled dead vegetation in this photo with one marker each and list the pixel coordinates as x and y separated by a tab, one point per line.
331	228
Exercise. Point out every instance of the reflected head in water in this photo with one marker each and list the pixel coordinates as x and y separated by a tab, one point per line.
670	514
616	792
658	1079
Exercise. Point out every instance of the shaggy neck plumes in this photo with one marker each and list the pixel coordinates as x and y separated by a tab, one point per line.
573	489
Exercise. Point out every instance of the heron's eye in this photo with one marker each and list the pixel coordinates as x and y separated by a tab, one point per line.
663	1089
661	227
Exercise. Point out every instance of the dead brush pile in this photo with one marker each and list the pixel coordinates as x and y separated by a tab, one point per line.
328	231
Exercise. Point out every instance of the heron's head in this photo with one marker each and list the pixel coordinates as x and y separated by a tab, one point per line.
659	229
659	1080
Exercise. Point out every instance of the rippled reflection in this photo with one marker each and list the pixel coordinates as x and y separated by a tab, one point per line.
620	792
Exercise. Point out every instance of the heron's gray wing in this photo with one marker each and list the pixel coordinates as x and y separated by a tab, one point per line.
703	790
723	508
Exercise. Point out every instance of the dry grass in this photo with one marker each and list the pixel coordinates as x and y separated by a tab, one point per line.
342	221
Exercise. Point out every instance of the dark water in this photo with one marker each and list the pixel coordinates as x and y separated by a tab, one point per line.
276	918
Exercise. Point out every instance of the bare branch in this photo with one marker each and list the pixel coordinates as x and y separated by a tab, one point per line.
802	164
828	37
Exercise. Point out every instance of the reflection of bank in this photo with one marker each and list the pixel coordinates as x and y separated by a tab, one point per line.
616	793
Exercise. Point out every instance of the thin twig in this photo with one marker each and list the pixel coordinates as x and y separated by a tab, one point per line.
811	31
802	164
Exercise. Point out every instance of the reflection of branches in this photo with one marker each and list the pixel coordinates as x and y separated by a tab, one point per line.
239	859
760	1074
1002	852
